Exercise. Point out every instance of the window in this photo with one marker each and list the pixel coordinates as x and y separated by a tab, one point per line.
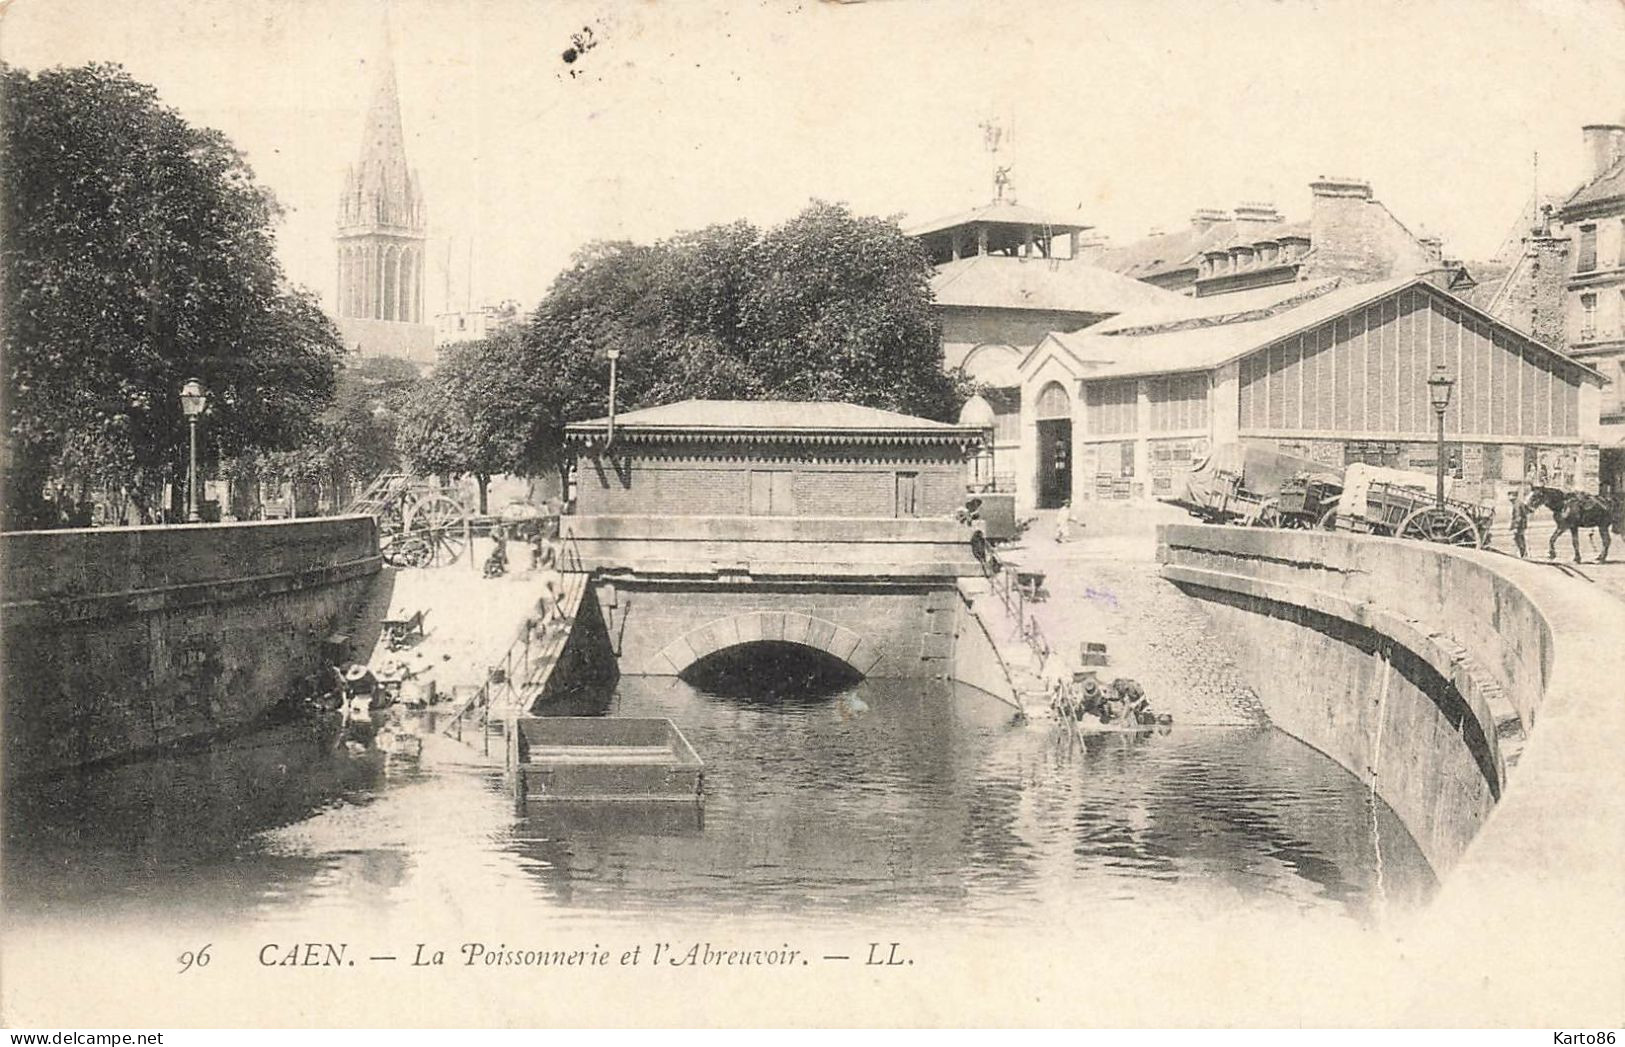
1588	249
1588	317
908	489
771	492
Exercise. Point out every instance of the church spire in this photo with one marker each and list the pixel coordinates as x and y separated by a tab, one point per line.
382	139
382	230
382	189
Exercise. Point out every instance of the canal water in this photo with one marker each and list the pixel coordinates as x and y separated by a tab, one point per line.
889	797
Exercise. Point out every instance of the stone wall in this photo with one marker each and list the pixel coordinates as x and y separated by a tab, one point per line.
660	629
1412	665
118	640
766	546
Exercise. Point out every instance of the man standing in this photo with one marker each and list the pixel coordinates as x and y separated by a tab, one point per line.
1520	519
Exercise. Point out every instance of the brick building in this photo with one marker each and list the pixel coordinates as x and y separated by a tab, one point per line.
731	458
1331	370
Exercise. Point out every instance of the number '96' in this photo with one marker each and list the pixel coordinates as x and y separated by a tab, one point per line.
200	958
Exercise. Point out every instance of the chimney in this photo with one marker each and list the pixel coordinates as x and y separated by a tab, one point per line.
1434	248
1357	188
1548	294
1343	232
1254	211
1206	218
1603	144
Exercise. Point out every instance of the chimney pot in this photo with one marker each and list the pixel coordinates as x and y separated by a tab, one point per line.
1255	211
1603	145
1357	188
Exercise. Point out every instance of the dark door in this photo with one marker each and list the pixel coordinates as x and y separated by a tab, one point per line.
1054	462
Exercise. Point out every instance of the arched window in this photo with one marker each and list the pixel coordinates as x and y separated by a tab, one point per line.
1053	402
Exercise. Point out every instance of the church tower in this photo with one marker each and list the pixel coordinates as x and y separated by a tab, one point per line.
382	234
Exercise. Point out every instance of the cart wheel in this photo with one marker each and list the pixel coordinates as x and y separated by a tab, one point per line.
1328	519
1269	515
1445	524
438	519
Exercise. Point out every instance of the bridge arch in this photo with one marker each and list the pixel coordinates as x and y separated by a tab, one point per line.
740	630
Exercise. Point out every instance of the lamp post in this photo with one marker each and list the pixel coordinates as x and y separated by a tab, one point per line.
609	439
193	402
1439	386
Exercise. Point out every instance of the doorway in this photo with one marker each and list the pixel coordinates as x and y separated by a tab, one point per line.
1054	410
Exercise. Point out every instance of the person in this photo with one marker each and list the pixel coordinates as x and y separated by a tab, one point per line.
497	563
547	562
544	550
1061	515
1520	520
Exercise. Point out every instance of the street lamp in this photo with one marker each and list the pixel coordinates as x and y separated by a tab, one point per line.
1439	387
609	439
193	402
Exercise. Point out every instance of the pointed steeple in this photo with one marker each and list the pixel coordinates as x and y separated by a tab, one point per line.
382	232
381	188
382	138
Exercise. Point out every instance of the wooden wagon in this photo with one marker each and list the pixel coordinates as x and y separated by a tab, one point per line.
1403	504
1244	484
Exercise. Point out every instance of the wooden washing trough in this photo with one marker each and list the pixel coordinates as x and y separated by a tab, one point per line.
603	758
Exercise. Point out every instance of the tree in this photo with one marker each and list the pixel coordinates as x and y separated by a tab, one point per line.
139	253
350	442
827	306
469	418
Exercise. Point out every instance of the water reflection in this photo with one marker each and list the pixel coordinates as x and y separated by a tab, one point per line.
890	796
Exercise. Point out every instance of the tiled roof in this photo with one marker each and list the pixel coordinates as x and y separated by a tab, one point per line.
743	415
1170	252
1069	285
1176	348
1610	185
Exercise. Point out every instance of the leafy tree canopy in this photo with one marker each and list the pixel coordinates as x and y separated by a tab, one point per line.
828	306
138	254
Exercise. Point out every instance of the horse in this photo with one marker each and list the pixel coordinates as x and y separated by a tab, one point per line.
1573	510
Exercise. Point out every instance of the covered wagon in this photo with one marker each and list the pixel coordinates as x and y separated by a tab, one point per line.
1245	483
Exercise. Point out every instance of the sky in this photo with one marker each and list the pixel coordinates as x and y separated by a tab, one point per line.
1125	116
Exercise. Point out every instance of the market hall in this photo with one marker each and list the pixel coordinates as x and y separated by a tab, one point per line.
1328	371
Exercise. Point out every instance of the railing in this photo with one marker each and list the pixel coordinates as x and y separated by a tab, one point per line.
570	559
1005	583
499	684
508	681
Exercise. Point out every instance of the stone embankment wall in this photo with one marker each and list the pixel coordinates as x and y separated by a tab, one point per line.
118	640
1420	668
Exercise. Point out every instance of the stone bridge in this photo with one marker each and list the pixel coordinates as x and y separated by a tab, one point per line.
879	596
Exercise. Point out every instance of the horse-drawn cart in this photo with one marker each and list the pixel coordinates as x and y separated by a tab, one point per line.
1403	504
1253	486
419	523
